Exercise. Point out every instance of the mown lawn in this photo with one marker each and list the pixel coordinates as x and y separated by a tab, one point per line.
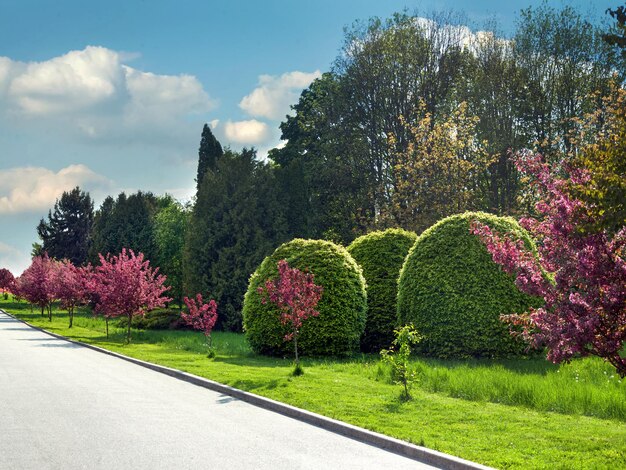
507	414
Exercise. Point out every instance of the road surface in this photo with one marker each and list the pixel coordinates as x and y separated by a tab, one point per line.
63	406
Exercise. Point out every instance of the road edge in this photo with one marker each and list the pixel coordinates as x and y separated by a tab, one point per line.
397	446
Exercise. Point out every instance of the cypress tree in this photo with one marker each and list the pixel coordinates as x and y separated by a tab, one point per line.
209	152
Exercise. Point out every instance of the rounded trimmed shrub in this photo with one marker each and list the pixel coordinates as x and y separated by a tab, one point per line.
381	256
454	293
342	307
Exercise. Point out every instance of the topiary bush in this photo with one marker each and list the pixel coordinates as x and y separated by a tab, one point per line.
381	256
342	308
454	294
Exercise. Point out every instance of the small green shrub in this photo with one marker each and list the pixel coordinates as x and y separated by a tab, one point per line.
342	308
454	294
402	371
160	319
381	256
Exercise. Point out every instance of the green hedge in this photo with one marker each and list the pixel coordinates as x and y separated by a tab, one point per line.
160	319
381	256
342	307
453	292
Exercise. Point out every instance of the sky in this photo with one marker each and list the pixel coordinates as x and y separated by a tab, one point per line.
112	96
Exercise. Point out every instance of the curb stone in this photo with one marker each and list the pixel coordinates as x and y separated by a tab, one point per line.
397	446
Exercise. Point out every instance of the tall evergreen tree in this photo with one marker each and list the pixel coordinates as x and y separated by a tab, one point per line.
66	233
170	227
236	222
127	222
209	152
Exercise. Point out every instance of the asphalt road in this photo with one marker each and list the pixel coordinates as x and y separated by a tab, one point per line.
63	406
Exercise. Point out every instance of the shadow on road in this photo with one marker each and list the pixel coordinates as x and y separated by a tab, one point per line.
50	342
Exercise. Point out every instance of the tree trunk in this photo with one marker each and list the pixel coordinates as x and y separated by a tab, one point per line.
130	317
49	312
71	312
106	319
295	346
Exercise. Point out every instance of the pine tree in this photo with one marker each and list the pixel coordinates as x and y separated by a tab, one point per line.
209	152
66	233
236	222
128	223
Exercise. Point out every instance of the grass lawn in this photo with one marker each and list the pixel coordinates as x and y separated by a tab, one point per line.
506	413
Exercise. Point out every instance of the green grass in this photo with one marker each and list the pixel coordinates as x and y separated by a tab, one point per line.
507	414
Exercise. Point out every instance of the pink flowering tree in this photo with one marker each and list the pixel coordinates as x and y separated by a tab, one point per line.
71	287
7	281
296	296
202	316
37	284
126	285
580	275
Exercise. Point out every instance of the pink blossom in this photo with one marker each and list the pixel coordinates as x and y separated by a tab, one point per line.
296	296
581	276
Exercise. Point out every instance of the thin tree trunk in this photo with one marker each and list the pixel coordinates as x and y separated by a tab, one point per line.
71	312
130	317
49	312
295	346
106	319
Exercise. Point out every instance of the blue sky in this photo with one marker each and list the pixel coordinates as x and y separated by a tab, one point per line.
112	95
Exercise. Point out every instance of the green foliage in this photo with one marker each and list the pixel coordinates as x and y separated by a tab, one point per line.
617	35
170	228
381	255
126	222
402	372
236	222
605	160
454	294
158	319
66	233
342	308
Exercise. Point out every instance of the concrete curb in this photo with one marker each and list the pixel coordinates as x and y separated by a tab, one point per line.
421	454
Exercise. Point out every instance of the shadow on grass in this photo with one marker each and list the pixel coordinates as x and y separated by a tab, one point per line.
251	385
252	360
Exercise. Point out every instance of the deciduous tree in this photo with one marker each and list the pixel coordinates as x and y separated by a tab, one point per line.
201	316
127	285
37	284
7	280
296	295
581	276
71	286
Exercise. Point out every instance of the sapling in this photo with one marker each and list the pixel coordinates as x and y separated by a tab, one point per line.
202	316
296	296
398	357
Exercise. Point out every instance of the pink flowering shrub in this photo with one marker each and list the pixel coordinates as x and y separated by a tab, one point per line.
296	296
202	316
37	284
7	281
580	275
71	286
127	285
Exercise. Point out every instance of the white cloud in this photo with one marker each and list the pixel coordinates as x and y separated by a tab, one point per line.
74	81
94	93
246	132
28	189
13	259
274	94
